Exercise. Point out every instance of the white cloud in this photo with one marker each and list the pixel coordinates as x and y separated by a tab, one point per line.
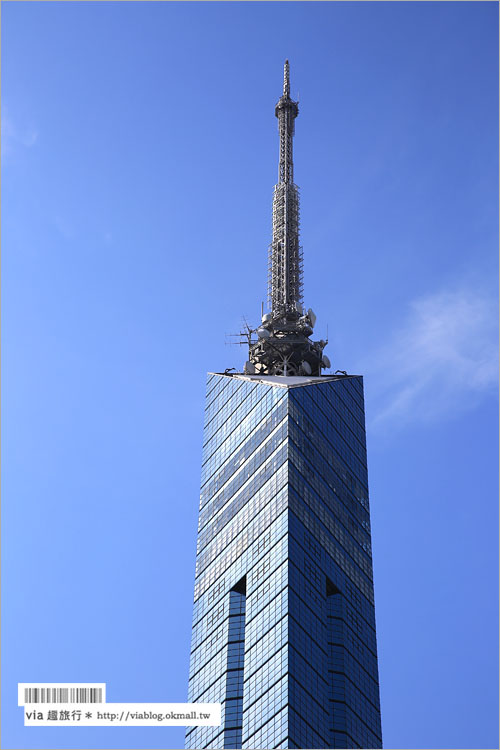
13	135
442	360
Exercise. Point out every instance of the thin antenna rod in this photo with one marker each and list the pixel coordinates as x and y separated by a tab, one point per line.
286	80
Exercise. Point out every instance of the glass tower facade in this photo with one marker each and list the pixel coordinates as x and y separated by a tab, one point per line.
284	620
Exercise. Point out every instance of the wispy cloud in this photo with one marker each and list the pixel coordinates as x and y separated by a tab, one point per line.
14	135
441	360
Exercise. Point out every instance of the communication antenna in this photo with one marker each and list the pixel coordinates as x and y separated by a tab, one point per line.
280	345
306	367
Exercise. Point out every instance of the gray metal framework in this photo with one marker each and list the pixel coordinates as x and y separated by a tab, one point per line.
283	346
285	253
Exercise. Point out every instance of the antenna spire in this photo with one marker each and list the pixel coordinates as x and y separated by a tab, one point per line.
286	80
285	258
283	346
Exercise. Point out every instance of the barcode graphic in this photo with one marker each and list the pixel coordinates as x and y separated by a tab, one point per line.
62	695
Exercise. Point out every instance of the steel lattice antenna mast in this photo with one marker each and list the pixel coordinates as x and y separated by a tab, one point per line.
283	346
285	259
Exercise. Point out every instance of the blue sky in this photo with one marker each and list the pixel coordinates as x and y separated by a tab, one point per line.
139	153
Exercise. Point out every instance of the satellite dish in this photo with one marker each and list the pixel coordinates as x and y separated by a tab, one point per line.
249	368
312	317
306	368
326	362
262	333
267	317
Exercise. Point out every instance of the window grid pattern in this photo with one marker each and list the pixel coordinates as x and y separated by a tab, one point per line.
284	506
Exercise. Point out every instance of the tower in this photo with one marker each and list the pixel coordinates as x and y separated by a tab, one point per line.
283	620
283	346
